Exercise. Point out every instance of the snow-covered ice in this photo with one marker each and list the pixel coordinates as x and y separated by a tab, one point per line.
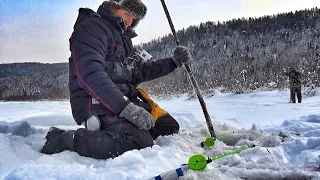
286	135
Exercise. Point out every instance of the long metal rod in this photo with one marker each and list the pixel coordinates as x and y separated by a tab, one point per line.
191	76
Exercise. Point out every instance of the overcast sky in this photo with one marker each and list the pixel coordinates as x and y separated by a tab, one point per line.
39	30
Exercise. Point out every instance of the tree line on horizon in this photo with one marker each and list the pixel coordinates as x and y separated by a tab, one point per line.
244	54
33	81
238	56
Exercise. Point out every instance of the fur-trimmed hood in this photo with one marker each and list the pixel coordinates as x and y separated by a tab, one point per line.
117	21
135	7
140	13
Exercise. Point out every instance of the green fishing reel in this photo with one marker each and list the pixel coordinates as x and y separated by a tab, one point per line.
210	141
197	162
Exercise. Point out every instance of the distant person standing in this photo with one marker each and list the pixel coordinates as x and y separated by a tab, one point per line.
295	85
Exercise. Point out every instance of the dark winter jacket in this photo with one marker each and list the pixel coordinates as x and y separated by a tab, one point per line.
102	79
294	78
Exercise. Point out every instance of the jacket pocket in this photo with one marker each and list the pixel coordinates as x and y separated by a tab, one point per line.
121	73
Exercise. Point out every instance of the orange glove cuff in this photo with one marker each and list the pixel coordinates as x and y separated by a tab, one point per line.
156	110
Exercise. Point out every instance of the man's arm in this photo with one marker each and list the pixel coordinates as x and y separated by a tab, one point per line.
154	69
181	55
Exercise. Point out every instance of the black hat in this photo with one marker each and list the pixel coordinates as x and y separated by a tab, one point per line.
135	7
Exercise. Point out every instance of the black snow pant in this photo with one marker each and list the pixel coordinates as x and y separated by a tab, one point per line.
118	136
295	91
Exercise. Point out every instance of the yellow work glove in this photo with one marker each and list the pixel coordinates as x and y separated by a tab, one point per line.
156	110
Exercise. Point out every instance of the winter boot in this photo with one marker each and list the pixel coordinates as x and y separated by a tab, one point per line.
58	140
53	132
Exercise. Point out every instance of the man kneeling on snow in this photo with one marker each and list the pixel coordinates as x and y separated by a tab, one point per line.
105	71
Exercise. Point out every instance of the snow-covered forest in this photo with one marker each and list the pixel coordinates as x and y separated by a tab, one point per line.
246	54
31	81
237	56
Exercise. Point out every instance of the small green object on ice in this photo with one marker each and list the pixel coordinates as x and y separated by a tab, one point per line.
210	141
